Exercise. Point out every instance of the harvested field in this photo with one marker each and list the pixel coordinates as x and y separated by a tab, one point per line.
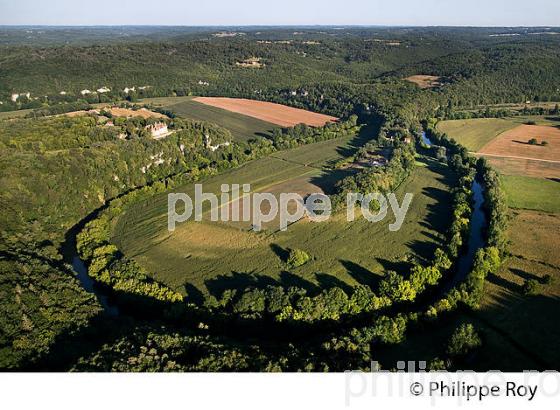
424	81
514	143
525	167
273	113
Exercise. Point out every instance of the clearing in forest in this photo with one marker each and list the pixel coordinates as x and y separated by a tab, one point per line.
424	81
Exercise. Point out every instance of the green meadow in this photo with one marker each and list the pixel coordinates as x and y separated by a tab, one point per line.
207	257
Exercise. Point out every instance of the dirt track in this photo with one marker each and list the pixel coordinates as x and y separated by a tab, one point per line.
274	113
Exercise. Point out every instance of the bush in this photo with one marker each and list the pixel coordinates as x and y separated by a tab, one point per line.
297	258
463	340
544	143
530	287
533	141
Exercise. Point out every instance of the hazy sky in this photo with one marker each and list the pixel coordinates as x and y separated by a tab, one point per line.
281	12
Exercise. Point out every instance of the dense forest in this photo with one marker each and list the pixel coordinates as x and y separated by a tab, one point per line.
64	175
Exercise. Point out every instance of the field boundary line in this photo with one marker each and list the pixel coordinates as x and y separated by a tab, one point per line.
516	157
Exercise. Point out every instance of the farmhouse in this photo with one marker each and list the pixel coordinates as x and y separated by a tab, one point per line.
85	92
103	90
158	130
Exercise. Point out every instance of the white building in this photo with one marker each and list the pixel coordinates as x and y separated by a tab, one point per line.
85	92
158	130
103	90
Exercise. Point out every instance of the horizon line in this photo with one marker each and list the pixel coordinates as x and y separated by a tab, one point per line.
279	25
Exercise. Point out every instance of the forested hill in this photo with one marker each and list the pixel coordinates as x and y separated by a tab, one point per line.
476	66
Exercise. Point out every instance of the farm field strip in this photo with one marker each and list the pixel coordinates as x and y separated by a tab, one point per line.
241	126
278	114
487	154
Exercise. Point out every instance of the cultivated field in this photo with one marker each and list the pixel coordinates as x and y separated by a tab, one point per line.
504	143
525	167
208	257
241	126
515	143
278	114
475	133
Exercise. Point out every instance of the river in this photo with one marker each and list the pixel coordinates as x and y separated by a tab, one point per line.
70	253
476	232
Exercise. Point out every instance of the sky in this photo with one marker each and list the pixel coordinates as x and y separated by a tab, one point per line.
282	12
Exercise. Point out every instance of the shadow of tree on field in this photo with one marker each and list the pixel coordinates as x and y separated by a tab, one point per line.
438	214
237	280
282	253
401	267
328	180
327	281
502	282
361	274
193	293
422	250
288	279
525	275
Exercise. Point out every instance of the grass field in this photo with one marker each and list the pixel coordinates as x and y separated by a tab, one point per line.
532	193
476	133
530	173
207	257
241	126
529	320
14	114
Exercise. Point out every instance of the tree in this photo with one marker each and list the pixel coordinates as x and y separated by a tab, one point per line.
533	141
530	287
297	258
463	340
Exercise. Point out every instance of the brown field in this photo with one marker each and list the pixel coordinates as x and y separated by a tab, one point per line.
514	143
525	167
274	113
424	81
